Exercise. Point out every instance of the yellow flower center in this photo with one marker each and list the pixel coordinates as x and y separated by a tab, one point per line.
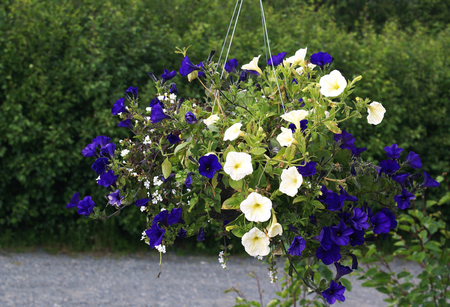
237	165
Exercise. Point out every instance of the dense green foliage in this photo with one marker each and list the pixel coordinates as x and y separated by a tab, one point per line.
64	63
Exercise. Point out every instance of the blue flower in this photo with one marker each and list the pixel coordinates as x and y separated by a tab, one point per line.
155	234
99	166
334	292
297	246
90	151
209	165
341	270
359	219
413	160
166	76
357	151
345	140
293	228
428	182
391	217
302	103
175	216
155	102
188	181
321	59
348	197
182	233
357	237
340	234
133	91
308	170
380	223
85	206
404	199
389	167
243	76
115	199
335	202
276	59
400	178
158	114
190	118
161	218
119	107
126	124
201	73
173	89
107	179
142	202
393	152
324	238
187	67
354	262
325	193
294	81
329	256
101	141
108	150
231	65
173	138
74	200
201	234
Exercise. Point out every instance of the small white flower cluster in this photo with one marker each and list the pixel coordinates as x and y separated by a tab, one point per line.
147	183
144	235
143	208
222	261
156	181
156	197
171	97
124	152
148	109
161	248
147	140
273	277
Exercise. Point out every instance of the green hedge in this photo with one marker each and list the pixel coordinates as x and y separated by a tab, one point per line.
64	63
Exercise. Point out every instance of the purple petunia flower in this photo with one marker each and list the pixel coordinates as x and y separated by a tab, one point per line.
115	199
334	292
74	200
231	65
173	138
297	246
335	202
357	237
142	202
325	193
340	234
341	270
329	256
292	228
308	170
175	216
321	59
393	152
201	234
345	140
187	67
107	179
119	107
359	219
404	199
302	103
188	181
400	178
413	160
201	73
190	118
209	165
108	150
166	76
182	233
99	166
127	123
356	151
155	234
294	81
158	114
161	218
173	89
428	182
388	167
155	102
391	218
324	238
243	76
85	206
90	151
276	59
101	141
354	261
348	197
133	91
380	223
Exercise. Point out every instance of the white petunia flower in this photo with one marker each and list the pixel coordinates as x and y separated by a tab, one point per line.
238	165
376	113
211	120
233	132
253	65
300	69
274	228
291	180
298	58
256	243
285	138
332	85
256	207
295	117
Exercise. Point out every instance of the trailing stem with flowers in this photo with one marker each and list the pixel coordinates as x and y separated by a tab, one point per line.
263	152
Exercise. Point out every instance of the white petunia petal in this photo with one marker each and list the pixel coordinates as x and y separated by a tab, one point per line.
256	243
333	84
285	138
256	207
253	65
298	58
211	120
232	133
291	180
295	117
238	165
376	113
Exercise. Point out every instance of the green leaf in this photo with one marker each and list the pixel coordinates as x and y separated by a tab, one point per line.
434	246
403	274
180	147
238	232
299	199
233	202
317	204
237	185
347	284
166	168
258	151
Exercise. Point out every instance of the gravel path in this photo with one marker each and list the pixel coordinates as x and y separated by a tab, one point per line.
41	279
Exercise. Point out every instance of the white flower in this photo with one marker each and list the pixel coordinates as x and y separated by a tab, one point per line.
233	132
332	85
211	120
275	227
238	165
161	248
376	113
298	58
295	117
291	180
300	69
148	109
124	152
256	207
172	96
147	140
256	243
253	65
285	138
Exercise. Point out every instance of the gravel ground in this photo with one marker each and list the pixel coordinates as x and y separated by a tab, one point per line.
41	279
